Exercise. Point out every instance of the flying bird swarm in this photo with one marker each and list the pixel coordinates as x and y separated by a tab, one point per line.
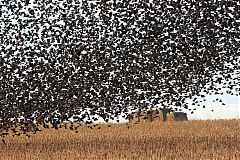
62	60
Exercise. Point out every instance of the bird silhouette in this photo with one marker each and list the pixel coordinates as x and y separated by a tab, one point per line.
3	140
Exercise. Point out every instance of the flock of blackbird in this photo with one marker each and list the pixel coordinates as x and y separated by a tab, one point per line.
62	59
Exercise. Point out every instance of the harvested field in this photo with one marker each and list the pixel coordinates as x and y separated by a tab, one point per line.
146	140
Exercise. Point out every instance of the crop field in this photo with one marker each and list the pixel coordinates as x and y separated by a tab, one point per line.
146	140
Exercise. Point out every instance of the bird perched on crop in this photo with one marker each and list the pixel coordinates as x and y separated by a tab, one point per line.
3	140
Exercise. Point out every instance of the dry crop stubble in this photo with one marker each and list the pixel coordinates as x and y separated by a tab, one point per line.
146	140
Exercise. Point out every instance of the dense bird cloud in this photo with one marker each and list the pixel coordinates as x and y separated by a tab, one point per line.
59	58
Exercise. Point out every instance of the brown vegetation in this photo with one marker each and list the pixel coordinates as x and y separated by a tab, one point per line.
170	117
156	140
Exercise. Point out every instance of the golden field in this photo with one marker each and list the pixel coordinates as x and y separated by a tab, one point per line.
144	141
